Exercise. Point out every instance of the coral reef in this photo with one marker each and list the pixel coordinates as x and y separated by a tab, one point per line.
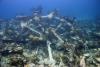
49	41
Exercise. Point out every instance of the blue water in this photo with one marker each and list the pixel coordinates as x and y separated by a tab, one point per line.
82	9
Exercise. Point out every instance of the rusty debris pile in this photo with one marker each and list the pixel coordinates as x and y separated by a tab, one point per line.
49	41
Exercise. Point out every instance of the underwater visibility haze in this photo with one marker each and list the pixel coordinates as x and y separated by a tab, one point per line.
81	8
49	33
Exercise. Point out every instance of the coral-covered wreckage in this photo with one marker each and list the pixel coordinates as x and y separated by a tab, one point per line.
49	40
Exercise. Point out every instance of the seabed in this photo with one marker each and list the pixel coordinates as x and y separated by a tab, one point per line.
49	40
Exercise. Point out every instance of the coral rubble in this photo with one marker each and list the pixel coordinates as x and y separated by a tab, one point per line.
49	41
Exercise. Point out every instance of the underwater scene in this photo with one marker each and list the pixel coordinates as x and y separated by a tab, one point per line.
49	33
